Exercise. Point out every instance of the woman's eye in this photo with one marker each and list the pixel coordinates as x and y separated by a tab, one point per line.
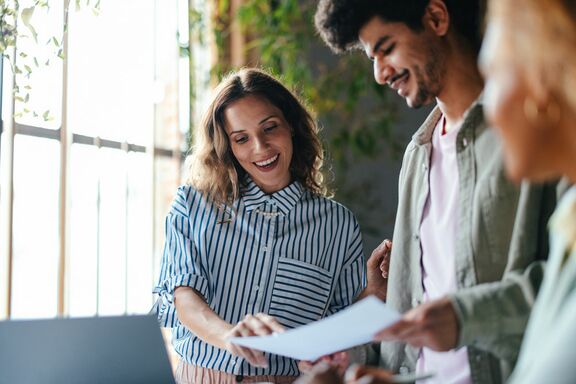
270	128
241	140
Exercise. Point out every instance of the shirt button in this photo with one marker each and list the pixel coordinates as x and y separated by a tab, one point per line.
464	142
239	378
416	302
256	288
416	237
265	248
404	370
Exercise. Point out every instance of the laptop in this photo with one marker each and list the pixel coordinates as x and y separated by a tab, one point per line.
123	349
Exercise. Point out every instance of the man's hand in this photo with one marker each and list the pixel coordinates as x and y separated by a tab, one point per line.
433	325
360	374
377	271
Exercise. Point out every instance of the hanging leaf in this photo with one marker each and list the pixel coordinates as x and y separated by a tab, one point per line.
26	17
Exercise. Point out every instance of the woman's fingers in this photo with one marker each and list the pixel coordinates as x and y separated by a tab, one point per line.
253	356
385	263
254	325
359	374
270	322
262	324
305	366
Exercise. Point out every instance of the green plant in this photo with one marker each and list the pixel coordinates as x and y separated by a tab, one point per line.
22	63
17	24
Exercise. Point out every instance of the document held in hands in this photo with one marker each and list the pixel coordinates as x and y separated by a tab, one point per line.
348	328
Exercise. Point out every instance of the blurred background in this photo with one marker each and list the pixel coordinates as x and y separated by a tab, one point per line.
98	101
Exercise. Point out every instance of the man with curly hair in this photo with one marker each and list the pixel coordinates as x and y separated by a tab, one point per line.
464	266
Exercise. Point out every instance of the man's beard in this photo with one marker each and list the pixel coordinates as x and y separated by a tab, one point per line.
429	81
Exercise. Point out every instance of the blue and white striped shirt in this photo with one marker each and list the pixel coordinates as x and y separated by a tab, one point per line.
292	254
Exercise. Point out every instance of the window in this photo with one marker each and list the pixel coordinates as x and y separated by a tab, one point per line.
92	158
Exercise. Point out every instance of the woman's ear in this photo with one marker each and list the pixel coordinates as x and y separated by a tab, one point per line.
436	17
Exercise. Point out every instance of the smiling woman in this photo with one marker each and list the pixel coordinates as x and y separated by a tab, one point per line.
253	246
215	167
261	141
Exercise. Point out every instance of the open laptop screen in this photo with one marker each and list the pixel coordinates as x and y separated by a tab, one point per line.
123	349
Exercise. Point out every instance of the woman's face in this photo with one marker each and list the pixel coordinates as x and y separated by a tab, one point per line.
527	148
261	141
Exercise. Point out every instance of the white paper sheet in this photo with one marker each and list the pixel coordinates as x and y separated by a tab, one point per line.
353	326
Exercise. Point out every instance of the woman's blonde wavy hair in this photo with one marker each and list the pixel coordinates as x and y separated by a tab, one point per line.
542	41
212	168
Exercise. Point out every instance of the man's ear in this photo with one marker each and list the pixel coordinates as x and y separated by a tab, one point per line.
436	17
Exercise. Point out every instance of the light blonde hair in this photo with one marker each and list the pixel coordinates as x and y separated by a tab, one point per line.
543	42
212	168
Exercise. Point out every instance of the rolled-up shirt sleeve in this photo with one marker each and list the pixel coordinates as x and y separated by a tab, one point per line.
181	264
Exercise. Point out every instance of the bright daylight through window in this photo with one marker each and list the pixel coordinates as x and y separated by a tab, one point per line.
90	154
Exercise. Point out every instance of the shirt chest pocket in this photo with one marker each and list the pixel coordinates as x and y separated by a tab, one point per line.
300	293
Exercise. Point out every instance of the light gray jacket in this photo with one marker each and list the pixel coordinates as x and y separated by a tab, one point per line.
547	354
501	238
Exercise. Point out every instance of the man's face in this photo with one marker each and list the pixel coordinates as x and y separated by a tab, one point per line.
408	61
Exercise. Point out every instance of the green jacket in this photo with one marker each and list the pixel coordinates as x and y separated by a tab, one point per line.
501	238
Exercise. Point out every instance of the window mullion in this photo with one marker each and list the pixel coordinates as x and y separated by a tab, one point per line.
64	203
6	248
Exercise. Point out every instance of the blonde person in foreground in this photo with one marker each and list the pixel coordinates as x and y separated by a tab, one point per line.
529	62
253	245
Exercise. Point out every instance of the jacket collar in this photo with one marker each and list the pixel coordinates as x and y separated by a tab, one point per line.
471	124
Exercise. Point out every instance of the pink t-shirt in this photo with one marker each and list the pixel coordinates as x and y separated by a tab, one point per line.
438	232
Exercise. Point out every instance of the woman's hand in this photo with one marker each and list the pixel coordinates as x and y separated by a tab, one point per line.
360	374
338	360
377	271
252	325
196	315
321	373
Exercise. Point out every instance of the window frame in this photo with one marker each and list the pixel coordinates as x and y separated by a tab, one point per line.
9	128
